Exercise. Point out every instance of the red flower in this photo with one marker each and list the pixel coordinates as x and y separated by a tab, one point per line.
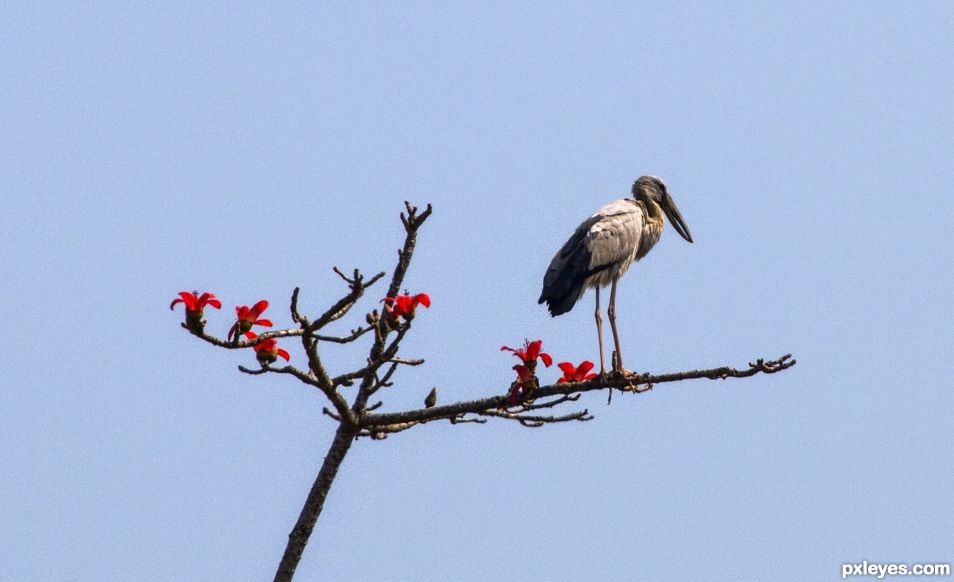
194	305
249	317
530	353
523	373
523	386
267	351
404	305
572	374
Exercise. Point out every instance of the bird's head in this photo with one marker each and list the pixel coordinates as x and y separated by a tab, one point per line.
652	189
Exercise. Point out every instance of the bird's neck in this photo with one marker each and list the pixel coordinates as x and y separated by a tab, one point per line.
653	210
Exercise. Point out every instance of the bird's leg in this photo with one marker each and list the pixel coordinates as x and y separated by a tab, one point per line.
611	311
599	331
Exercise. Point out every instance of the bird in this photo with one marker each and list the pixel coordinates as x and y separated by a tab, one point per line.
603	247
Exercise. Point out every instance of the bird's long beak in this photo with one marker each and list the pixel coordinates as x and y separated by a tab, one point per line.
672	211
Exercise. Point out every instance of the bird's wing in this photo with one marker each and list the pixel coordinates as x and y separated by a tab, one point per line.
596	243
615	236
608	238
572	258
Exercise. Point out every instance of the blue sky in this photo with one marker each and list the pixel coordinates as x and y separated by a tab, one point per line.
248	149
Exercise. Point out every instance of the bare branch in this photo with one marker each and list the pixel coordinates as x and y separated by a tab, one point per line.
374	363
386	380
381	432
337	400
241	344
416	362
293	308
552	403
355	334
462	420
315	502
358	285
612	381
535	421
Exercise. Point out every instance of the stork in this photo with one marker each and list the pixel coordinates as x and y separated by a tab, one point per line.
603	247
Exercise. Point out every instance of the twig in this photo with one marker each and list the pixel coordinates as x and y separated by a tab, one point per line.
337	400
355	334
415	362
535	421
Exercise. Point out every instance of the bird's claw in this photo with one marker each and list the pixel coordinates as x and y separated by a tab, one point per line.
631	379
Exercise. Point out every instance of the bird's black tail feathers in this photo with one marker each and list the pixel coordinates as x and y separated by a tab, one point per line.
562	304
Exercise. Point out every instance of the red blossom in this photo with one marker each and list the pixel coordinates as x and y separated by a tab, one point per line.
194	306
405	305
523	386
247	317
267	351
523	373
195	302
574	374
530	353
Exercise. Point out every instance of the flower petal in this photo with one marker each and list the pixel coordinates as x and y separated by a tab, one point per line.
423	299
189	299
585	367
208	299
258	309
502	348
590	376
174	301
233	330
547	360
263	322
283	354
523	372
568	369
533	349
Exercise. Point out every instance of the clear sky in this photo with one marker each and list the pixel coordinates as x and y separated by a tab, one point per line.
246	150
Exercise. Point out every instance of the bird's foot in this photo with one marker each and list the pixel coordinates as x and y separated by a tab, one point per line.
630	377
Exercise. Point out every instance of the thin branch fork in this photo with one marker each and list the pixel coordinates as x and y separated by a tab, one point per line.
355	334
379	354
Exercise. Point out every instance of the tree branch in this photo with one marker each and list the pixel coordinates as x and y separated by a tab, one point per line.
337	400
355	334
631	383
241	344
358	419
298	538
343	305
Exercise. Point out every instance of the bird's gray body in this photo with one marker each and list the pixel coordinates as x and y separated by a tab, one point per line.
600	249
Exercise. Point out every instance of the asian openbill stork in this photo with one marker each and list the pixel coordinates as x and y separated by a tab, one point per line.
603	247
